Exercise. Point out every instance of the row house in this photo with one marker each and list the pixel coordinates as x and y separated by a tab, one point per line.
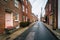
51	13
26	9
34	18
29	11
10	14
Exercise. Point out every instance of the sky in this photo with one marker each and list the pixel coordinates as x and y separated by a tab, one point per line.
37	5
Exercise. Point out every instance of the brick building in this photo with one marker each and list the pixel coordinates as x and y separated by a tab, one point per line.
34	18
29	11
26	9
51	13
48	13
10	14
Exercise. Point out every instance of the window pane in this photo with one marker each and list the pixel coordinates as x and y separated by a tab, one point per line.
16	3
23	7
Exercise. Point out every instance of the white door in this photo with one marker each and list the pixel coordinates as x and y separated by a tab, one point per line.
8	20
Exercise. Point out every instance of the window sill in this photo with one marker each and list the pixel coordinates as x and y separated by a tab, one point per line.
16	20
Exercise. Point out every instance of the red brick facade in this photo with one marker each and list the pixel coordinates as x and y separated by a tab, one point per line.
27	11
8	8
34	18
51	13
12	12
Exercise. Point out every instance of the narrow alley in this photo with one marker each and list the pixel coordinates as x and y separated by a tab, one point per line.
37	32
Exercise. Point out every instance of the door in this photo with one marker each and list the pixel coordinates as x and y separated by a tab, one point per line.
8	20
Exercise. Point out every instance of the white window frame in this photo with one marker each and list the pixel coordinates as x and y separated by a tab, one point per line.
26	18
26	10
16	3
17	15
23	8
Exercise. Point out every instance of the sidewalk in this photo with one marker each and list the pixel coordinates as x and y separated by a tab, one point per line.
15	34
56	32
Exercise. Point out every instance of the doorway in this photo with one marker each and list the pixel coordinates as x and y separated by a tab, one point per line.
8	20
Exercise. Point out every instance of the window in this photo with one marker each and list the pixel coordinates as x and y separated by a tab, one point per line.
26	2
16	3
23	8
16	17
26	18
26	10
49	7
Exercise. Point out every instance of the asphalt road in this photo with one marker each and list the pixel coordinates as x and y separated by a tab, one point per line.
37	32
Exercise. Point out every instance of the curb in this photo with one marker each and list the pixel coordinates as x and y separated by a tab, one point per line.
13	35
50	30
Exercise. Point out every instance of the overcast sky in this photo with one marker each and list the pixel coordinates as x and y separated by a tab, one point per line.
37	5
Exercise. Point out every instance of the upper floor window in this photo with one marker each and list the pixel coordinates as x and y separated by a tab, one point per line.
16	3
26	18
23	8
16	17
26	2
49	7
26	10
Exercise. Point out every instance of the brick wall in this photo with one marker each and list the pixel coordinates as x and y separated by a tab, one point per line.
51	12
9	4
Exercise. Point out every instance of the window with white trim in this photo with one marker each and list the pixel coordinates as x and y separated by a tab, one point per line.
16	17
26	18
26	10
23	8
16	3
26	2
